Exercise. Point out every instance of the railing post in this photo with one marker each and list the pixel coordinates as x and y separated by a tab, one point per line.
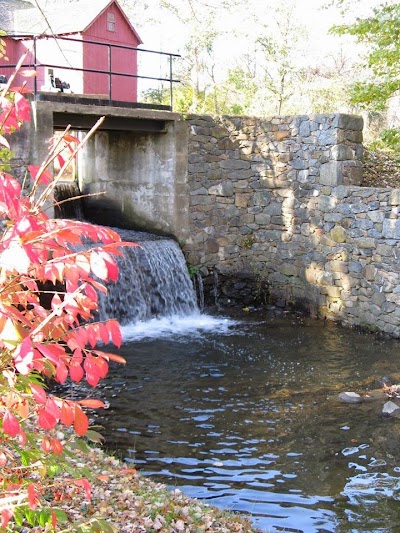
35	87
109	74
170	82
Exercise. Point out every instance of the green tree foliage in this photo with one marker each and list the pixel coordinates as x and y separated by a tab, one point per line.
381	33
242	87
197	68
279	45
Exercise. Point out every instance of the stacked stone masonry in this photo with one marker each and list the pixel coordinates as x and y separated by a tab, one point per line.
277	201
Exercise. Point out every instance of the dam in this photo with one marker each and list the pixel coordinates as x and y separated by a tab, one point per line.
271	205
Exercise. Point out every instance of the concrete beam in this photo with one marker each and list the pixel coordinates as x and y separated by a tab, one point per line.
137	161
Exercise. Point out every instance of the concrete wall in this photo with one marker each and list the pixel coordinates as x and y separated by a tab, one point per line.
143	176
275	204
137	161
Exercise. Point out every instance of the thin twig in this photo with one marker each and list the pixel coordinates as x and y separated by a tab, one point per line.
101	193
49	189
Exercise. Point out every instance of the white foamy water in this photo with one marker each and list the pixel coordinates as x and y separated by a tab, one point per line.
168	326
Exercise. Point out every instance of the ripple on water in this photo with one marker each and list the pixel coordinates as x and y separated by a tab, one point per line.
247	417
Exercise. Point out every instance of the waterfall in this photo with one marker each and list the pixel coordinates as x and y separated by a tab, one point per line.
68	201
199	287
215	288
153	281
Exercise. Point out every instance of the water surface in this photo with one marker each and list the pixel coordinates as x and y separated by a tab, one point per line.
246	416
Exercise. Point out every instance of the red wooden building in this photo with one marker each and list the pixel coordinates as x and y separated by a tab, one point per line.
89	45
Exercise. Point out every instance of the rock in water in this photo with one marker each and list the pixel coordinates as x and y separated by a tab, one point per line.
350	397
391	409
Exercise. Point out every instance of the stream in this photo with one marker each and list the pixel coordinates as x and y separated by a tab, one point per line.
243	412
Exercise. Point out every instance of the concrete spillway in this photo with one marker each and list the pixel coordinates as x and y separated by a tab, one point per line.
153	281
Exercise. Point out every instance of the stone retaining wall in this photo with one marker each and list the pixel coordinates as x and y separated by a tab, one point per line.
274	203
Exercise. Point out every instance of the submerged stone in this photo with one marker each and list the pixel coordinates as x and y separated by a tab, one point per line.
390	409
350	397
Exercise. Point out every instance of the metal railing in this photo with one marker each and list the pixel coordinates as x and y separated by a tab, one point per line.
33	62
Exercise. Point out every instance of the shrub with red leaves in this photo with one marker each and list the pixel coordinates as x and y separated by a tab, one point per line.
38	342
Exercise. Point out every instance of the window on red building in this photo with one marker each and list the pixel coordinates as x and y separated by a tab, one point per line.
110	21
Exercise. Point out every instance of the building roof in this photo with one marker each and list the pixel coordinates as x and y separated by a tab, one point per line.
8	8
57	19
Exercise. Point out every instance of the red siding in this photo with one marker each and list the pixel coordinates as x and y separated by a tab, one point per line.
95	57
122	61
14	50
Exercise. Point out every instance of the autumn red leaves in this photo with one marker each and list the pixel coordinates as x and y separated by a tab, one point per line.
56	341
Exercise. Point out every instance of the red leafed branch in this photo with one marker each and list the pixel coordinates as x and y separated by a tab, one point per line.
49	284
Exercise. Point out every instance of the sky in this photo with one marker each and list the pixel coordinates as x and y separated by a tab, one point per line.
170	36
160	30
238	27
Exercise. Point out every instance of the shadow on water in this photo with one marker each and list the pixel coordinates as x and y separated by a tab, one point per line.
248	419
